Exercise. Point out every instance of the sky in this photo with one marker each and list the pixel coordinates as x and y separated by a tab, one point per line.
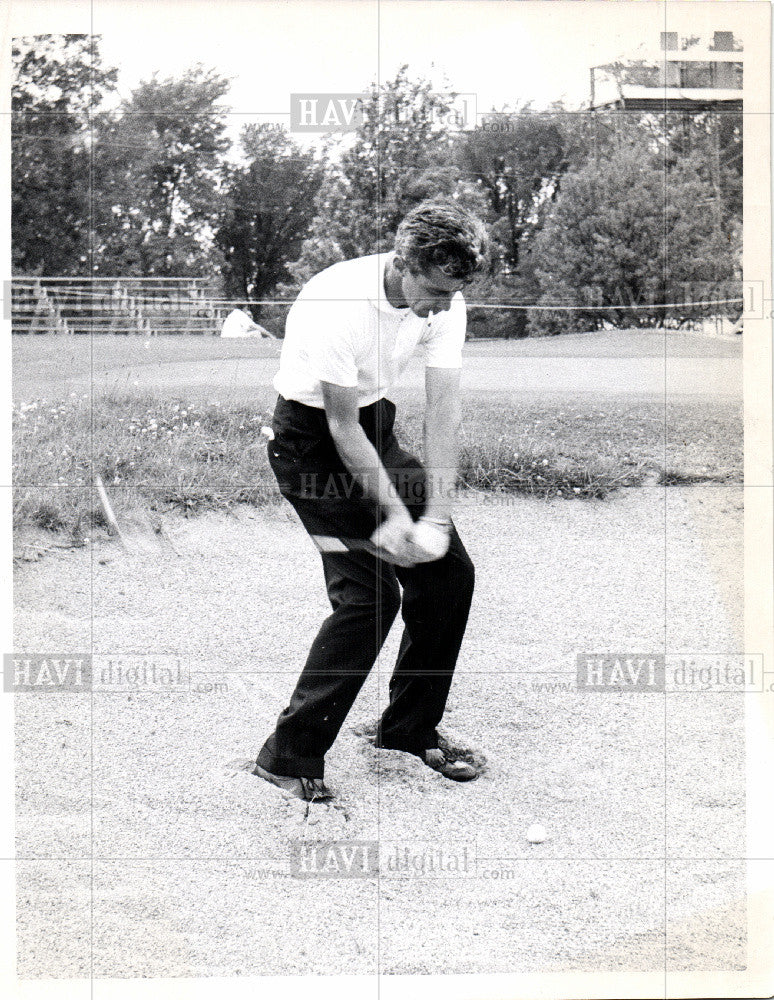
506	52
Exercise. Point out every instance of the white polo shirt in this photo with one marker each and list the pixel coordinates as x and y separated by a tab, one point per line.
342	329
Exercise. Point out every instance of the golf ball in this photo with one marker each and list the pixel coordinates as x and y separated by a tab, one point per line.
536	834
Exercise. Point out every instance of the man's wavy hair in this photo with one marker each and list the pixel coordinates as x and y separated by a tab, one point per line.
441	234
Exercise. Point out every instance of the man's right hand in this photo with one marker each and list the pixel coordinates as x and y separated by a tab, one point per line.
394	535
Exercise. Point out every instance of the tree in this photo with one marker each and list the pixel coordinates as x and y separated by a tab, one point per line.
624	232
59	86
400	155
516	159
166	150
269	207
716	136
713	141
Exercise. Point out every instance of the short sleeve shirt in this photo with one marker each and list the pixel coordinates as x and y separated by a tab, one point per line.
342	329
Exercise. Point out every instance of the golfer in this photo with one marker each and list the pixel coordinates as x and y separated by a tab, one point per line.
349	335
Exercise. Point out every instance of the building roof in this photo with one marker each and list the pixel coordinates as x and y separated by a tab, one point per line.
639	98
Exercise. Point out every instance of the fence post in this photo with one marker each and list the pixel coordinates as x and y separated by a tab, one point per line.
37	298
115	293
59	324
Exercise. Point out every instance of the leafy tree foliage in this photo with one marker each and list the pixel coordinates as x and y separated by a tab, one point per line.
269	206
516	159
164	168
624	231
59	85
589	209
400	155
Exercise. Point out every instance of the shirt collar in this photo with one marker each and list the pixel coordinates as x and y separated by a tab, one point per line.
378	297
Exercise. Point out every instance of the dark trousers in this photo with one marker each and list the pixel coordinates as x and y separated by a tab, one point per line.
365	594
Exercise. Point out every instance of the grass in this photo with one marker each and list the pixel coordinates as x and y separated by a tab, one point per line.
163	454
588	445
675	477
42	359
654	343
168	454
51	362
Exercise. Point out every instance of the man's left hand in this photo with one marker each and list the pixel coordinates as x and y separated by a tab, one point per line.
430	539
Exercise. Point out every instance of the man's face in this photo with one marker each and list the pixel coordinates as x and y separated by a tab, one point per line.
428	291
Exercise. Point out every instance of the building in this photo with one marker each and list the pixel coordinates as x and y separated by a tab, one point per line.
682	75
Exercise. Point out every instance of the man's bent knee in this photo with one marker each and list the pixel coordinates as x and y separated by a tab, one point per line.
383	606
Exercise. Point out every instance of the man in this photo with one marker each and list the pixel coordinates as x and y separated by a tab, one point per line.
349	335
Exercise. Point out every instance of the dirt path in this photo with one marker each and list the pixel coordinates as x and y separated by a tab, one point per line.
191	855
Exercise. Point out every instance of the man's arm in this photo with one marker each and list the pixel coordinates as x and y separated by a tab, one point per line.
362	461
443	415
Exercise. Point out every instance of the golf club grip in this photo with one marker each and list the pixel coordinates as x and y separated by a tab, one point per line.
333	543
327	544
